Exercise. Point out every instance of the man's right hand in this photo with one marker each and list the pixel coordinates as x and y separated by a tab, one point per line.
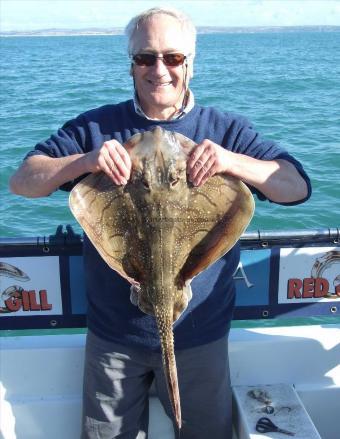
113	159
41	175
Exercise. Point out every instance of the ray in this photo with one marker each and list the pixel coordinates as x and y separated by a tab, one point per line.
159	231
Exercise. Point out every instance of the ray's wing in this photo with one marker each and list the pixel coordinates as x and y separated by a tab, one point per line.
223	209
102	209
218	213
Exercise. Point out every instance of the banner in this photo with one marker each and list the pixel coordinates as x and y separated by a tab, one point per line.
308	275
30	286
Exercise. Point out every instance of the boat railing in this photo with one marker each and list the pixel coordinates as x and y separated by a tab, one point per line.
259	238
281	276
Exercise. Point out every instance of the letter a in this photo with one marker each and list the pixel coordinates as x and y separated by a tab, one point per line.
243	275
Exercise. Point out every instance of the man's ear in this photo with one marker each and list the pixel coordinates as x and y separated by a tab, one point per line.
190	69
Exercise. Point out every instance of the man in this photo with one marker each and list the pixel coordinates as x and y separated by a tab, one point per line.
122	352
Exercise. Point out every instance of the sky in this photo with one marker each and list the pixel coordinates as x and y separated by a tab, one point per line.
23	15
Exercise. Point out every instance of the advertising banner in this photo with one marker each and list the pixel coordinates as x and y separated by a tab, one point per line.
277	282
77	285
252	278
310	274
30	286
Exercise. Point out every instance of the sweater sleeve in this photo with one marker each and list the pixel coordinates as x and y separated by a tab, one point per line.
242	138
72	138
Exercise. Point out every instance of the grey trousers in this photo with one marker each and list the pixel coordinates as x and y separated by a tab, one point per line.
117	380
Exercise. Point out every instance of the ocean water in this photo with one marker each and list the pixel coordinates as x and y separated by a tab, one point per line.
287	84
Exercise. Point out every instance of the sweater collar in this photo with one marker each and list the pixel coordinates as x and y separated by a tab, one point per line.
186	107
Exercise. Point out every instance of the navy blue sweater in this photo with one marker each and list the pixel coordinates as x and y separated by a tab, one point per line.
111	315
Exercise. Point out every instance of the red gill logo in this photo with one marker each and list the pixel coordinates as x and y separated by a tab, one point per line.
15	298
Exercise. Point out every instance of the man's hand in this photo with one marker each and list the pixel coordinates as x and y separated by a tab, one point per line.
206	160
41	175
278	179
113	159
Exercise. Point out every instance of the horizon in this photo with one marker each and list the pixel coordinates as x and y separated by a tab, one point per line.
93	31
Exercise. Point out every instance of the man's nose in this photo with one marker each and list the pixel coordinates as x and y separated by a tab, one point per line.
160	67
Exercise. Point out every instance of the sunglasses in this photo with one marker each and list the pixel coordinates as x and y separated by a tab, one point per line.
149	59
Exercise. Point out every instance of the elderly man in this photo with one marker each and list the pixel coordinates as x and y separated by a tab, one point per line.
122	351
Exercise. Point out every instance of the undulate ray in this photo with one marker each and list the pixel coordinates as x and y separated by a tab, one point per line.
159	231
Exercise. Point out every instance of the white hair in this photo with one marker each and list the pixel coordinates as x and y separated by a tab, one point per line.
187	25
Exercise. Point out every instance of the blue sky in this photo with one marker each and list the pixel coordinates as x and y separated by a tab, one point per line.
42	14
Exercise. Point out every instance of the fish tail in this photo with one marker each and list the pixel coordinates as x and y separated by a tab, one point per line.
164	324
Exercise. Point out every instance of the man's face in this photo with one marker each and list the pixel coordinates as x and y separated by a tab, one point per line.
160	88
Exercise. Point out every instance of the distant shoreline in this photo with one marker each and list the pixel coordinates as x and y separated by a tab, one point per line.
200	30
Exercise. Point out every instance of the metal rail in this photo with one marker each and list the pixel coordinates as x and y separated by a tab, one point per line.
259	238
291	237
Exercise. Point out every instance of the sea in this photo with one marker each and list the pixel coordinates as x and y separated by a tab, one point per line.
286	83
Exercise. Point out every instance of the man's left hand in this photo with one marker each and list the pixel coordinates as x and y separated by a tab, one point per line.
206	160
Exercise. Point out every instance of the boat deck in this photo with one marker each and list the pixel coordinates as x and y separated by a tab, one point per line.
41	378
